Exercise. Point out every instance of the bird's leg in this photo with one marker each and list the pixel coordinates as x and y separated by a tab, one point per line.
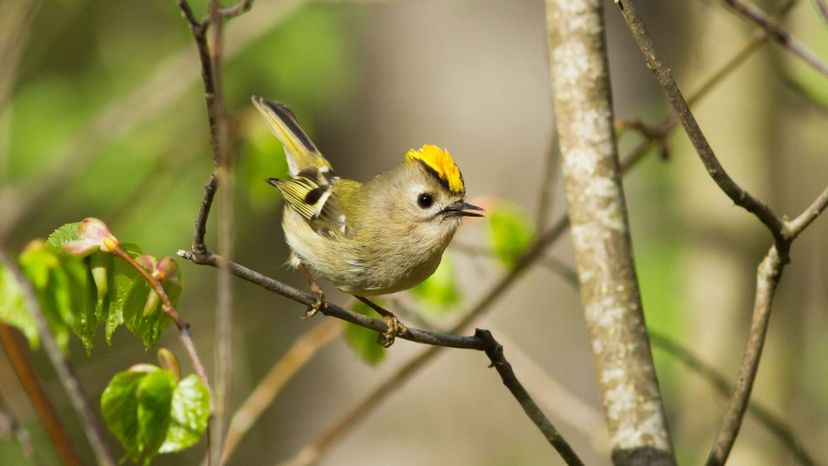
320	302
395	327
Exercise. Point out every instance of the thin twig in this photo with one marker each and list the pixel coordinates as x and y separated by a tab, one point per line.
168	308
724	388
238	9
20	361
767	278
567	406
494	351
714	168
822	7
272	383
761	19
65	372
332	310
794	227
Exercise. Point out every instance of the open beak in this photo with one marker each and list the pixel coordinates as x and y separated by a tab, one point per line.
463	209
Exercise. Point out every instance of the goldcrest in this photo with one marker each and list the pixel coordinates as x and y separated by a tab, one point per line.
378	237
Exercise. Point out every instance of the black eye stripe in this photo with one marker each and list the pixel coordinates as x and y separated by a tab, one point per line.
425	200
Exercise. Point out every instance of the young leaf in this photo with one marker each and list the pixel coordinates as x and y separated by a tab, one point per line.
362	340
510	232
150	412
65	234
119	406
190	411
42	266
154	394
83	238
12	309
136	408
439	291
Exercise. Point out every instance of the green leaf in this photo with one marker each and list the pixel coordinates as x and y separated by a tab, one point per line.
12	308
136	408
154	394
119	406
439	291
131	302
65	234
362	340
149	413
74	291
510	232
52	285
190	412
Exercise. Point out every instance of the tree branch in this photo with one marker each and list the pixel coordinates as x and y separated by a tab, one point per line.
723	387
494	351
761	19
21	363
714	168
66	375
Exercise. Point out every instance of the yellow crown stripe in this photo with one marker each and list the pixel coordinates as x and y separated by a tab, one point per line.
441	162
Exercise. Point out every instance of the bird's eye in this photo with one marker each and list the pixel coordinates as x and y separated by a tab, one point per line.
425	200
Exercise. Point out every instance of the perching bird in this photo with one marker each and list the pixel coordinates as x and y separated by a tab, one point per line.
378	237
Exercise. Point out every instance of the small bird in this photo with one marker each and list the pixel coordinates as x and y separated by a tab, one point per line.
367	238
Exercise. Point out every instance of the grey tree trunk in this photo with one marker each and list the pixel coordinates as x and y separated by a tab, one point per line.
600	231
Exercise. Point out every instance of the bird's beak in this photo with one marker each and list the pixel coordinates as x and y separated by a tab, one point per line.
463	209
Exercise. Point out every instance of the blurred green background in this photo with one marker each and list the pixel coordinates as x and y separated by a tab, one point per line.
102	114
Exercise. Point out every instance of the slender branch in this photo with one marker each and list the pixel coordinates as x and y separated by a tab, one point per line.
761	19
168	308
822	7
65	372
714	168
266	390
9	425
724	388
332	310
19	358
794	227
494	351
238	9
767	278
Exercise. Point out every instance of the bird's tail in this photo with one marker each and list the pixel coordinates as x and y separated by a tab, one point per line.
300	150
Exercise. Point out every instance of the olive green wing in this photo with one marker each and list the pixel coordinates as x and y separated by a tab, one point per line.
313	194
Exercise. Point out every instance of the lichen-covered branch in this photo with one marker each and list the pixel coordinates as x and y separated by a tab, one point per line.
600	230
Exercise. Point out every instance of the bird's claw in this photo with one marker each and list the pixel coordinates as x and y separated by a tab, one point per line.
317	305
395	328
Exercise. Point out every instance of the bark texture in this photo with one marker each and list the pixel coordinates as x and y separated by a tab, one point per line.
600	231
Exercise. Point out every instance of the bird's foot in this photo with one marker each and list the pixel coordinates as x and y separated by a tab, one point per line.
318	305
395	328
